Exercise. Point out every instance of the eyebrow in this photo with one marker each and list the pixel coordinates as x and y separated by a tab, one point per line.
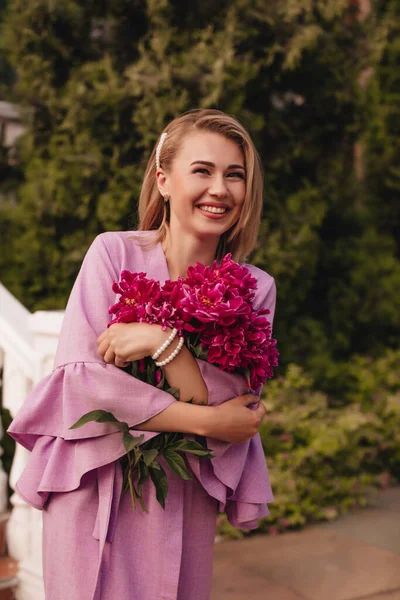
211	164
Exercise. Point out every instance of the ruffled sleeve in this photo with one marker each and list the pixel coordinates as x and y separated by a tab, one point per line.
81	382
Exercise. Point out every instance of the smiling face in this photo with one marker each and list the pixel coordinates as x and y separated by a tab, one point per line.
206	185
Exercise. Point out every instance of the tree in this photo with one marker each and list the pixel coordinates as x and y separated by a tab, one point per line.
101	80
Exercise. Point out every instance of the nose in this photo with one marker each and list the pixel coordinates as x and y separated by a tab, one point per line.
218	187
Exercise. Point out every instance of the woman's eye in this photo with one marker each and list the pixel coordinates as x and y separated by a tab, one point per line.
202	171
231	175
237	174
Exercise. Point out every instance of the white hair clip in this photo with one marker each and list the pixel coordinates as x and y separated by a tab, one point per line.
158	150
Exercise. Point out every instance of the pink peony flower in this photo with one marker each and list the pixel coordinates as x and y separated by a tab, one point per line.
140	301
236	278
211	304
213	307
172	294
225	346
245	346
219	294
262	370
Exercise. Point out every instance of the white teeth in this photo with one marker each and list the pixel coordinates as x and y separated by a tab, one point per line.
213	209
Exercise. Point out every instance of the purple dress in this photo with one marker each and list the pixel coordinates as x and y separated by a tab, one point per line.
95	547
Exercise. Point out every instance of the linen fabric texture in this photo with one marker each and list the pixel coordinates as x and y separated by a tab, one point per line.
95	547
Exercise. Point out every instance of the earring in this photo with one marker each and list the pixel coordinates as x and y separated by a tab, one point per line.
166	198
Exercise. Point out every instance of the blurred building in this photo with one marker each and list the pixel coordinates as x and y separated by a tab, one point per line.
11	129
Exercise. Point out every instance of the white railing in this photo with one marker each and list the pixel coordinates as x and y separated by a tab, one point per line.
28	345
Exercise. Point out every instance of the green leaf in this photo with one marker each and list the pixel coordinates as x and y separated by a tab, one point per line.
126	469
177	464
160	480
164	437
150	372
135	368
191	401
149	456
131	442
246	375
157	442
172	438
98	416
192	448
132	490
141	502
197	350
174	391
143	473
138	455
203	354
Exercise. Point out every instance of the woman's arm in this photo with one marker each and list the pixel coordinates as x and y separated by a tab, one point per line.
231	422
182	372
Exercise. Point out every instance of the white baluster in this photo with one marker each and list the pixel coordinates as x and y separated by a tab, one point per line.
29	349
15	389
3	474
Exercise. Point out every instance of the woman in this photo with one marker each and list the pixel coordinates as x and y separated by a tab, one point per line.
201	198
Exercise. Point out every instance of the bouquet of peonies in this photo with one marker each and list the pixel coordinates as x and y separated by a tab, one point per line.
212	308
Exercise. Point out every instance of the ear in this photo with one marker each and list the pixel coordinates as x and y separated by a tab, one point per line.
162	182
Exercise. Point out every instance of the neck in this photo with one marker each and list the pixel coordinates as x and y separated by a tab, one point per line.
183	251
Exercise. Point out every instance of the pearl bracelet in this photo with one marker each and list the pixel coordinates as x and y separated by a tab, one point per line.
162	363
165	344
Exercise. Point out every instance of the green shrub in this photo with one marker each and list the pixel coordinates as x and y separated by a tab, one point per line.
324	458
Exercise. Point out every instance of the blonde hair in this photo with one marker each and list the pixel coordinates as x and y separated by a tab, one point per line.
153	213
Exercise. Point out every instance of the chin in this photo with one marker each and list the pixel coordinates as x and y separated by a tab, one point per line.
212	232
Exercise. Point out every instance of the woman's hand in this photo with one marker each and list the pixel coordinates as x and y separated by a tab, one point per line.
233	421
123	343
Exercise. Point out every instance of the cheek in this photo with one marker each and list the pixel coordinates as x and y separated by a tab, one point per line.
239	193
239	200
187	192
237	211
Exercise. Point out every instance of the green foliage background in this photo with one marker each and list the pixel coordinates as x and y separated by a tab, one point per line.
316	83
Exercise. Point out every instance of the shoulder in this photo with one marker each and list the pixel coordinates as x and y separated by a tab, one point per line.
266	287
264	279
117	243
120	250
115	239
